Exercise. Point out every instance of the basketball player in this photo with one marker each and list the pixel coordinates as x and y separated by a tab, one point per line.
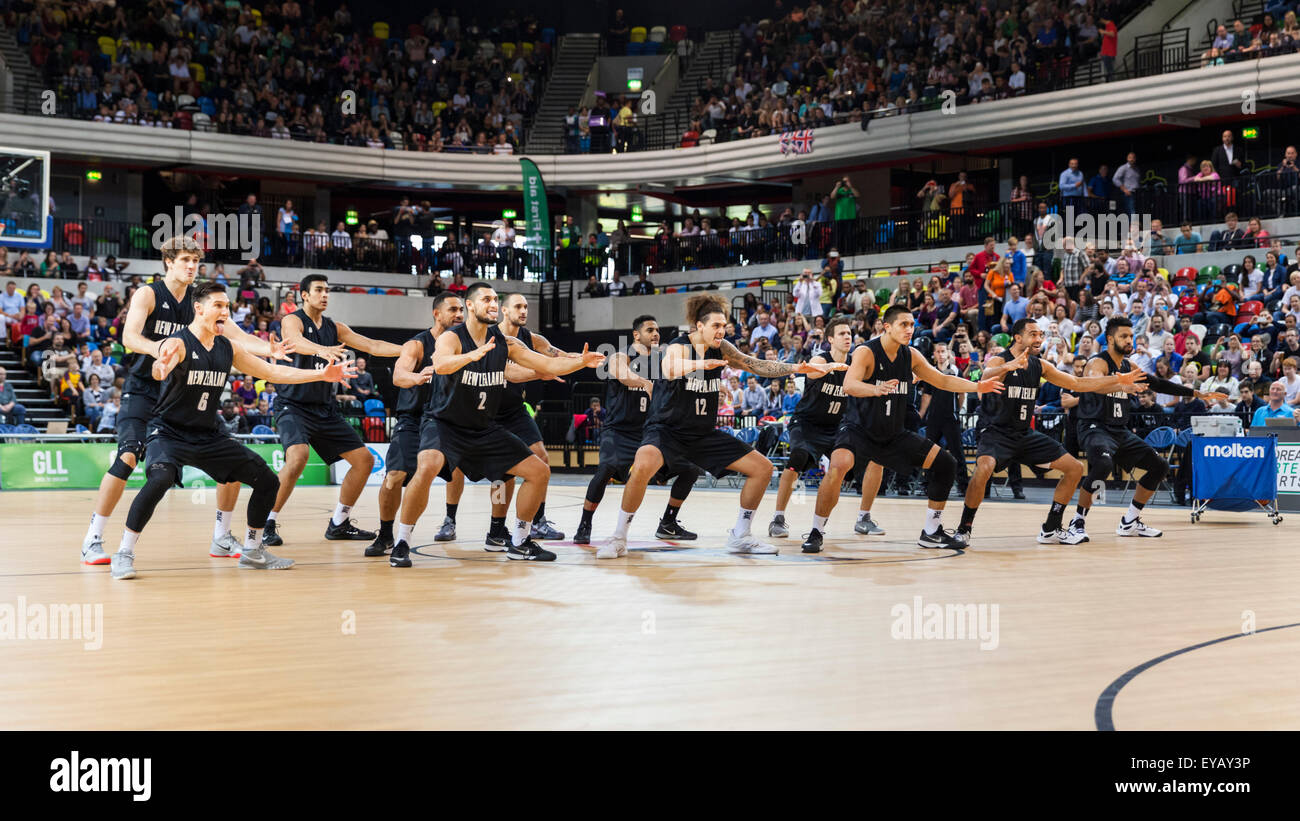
156	311
627	401
461	426
308	415
872	429
1107	441
412	375
682	421
1006	438
516	419
193	366
815	419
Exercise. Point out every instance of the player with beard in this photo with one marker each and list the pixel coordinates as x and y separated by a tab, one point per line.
682	421
872	430
157	311
308	415
1107	441
193	366
460	424
413	375
516	419
815	419
1006	437
627	402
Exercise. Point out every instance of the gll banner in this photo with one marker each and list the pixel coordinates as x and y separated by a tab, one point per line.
797	142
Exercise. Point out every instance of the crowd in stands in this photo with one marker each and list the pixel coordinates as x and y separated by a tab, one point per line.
433	84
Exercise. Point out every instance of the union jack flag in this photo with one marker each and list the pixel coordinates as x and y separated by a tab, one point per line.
797	142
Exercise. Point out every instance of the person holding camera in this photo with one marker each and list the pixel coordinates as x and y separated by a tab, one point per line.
807	295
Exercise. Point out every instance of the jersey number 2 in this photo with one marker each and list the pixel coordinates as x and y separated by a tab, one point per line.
482	400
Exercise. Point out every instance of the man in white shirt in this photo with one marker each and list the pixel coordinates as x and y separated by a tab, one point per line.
11	307
807	295
1016	82
341	238
764	329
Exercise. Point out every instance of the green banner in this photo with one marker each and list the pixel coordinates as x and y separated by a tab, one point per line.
81	465
537	238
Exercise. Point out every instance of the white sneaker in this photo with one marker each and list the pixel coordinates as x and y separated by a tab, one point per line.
1078	529
615	548
1136	528
1050	537
227	547
1071	536
747	544
92	551
123	565
263	559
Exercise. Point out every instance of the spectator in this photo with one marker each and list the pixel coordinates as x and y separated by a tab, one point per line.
363	384
807	293
12	305
1232	236
1188	241
1227	158
595	288
643	286
231	420
846	212
617	287
79	323
1070	183
754	398
12	412
764	329
95	365
93	399
1277	407
108	413
1248	400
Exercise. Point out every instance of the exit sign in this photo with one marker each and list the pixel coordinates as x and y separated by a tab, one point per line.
636	213
1251	133
509	214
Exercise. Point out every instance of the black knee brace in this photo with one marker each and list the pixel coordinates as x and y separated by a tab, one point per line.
684	482
265	485
161	477
596	488
120	469
801	460
1099	469
1155	468
942	472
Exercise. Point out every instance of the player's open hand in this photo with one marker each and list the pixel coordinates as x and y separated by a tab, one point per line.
170	353
990	386
332	353
281	348
819	370
339	371
710	364
1214	396
1132	377
591	359
482	350
1018	362
881	388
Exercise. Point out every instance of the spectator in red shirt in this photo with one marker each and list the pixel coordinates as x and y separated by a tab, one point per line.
1109	47
980	265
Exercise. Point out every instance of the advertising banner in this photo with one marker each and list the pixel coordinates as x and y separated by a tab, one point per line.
81	465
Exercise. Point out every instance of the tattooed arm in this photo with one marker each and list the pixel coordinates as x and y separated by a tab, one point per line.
766	369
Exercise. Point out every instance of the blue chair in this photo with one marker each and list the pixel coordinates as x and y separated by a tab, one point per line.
374	407
82	429
375	291
24	429
6	429
207	106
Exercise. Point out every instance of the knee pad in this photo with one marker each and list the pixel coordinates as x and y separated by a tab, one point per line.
266	485
1099	469
121	469
596	488
684	482
1155	468
801	460
942	472
161	478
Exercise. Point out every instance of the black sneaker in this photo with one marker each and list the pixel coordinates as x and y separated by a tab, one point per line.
269	537
381	545
1017	493
446	533
813	544
545	530
583	536
942	539
674	530
497	540
401	555
529	551
902	490
347	531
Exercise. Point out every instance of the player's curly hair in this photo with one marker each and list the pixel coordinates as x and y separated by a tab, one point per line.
700	306
178	245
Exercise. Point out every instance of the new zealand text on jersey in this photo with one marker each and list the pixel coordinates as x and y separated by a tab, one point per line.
1021	392
487	379
831	388
207	379
165	328
694	384
901	387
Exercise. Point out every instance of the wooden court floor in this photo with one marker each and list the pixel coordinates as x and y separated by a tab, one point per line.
673	636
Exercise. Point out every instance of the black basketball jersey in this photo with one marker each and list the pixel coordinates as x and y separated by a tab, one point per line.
471	397
1109	409
688	404
884	416
823	400
626	408
1014	408
191	393
311	393
412	401
513	399
168	316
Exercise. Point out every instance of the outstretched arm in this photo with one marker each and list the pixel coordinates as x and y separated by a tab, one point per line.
374	347
769	369
254	344
521	354
861	365
404	373
620	369
291	330
998	366
284	375
928	373
674	364
1094	384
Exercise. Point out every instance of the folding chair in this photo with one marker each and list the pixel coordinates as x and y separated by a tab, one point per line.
1163	439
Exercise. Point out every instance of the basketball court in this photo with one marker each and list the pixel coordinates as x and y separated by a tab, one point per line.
673	636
